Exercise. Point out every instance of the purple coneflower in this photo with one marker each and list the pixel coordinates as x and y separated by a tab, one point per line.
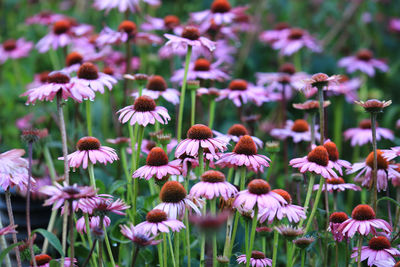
235	132
201	69
335	220
277	33
320	79
385	171
363	134
157	222
337	185
94	222
316	161
334	160
347	87
43	260
364	222
8	230
220	13
14	49
190	37
174	200
144	111
257	259
44	18
241	92
292	40
59	36
157	166
391	153
299	130
156	87
378	249
244	154
90	150
213	185
166	24
123	5
138	236
72	62
364	61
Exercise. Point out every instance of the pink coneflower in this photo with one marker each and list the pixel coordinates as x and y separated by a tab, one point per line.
123	5
298	130
72	62
190	37
157	166
337	185
89	78
144	111
364	61
394	25
157	222
166	24
14	170
59	36
277	33
57	82
235	132
147	145
292	40
39	79
90	149
186	163
104	205
391	153
43	260
94	222
364	222
363	134
156	87
316	161
60	194
320	80
335	220
213	185
244	154
385	171
310	106
378	249
8	230
201	69
241	92
174	200
292	212
138	236
119	140
14	49
44	18
220	13
347	87
258	193
334	160
199	136
257	259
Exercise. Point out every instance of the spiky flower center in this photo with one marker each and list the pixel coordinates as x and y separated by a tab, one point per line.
157	83
286	196
296	34
202	64
42	259
73	58
88	143
191	33
220	6
332	151
71	190
61	26
172	192
334	180
213	177
288	68
258	255
365	124
365	55
58	77
171	21
43	76
238	130
319	155
319	80
9	45
259	187
128	26
157	157
383	164
156	216
199	132
144	104
379	243
363	213
238	85
108	70
245	146
300	126
88	71
338	217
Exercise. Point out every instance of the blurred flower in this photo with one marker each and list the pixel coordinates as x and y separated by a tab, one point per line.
241	92
157	221
123	5
299	131
213	185
44	18
8	230
337	185
156	87
292	40
363	61
190	37
310	106
289	232
94	222
138	236
14	49
378	249
257	259
374	105
59	36
209	222
303	242
90	149
363	134
43	260
14	170
347	87
394	25
168	23
320	80
235	132
275	34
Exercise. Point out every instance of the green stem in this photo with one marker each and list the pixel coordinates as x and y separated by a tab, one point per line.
176	249
183	90
308	196
91	175
171	249
235	226
89	117
160	255
211	113
187	232
214	237
375	169
252	235
360	241
321	115
230	174
312	127
314	209
303	257
337	137
193	107
275	248
242	178
165	250
201	160
109	251
139	145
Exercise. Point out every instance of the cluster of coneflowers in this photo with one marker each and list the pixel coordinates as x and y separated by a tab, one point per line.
211	180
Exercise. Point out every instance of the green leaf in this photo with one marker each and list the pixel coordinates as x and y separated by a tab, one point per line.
7	250
53	240
54	263
389	199
116	185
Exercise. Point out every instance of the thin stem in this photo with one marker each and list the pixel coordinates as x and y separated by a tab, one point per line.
375	169
242	178
183	90
360	241
132	135
314	209
214	237
201	160
3	245
139	144
321	115
187	232
165	250
71	230
312	126
193	107
275	248
108	247
128	56
211	113
89	117
252	235
309	193
303	257
91	175
160	256
235	226
11	219
134	256
28	205
338	124
90	253
337	254
176	249
171	249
